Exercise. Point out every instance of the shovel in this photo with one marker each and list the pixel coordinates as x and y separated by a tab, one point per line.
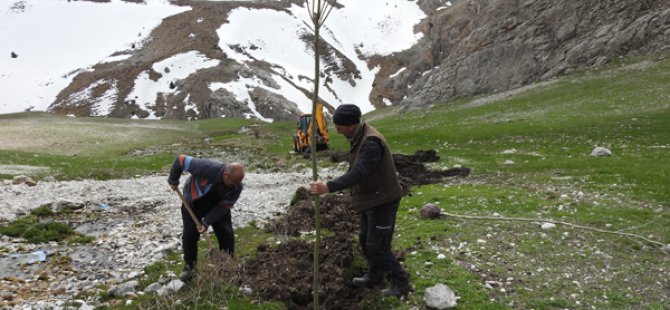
195	219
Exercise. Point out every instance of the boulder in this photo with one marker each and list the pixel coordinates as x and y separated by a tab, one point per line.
123	289
601	151
431	211
440	296
19	179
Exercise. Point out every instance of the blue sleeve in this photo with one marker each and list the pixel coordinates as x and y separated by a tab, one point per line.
177	169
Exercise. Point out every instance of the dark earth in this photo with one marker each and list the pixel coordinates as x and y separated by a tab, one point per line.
284	272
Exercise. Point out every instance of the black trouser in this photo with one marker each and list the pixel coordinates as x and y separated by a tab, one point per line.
377	226
223	229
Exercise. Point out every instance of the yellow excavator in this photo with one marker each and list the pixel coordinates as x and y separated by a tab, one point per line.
301	140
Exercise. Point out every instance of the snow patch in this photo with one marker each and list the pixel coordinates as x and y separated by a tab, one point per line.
53	38
171	69
397	72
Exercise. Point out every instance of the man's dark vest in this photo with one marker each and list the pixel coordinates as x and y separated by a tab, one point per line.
382	185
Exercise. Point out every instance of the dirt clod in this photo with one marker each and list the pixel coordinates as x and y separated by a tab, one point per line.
283	272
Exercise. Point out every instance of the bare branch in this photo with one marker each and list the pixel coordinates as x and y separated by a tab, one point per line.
327	9
308	26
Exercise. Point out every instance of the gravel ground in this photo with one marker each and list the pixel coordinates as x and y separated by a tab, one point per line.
134	222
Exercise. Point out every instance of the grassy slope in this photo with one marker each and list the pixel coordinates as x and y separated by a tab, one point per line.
100	148
551	130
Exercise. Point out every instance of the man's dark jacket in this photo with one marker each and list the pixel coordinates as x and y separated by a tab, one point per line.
206	175
372	174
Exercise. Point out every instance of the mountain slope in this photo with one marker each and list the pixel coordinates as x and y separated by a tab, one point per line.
46	42
242	59
254	59
479	47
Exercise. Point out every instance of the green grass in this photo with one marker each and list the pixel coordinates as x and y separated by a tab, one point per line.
102	148
553	130
522	251
217	292
36	232
39	227
547	132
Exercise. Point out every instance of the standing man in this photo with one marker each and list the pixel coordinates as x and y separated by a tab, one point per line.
375	194
211	190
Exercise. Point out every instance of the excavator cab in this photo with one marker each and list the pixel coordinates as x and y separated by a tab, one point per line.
301	140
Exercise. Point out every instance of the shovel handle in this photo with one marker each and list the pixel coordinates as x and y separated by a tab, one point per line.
188	208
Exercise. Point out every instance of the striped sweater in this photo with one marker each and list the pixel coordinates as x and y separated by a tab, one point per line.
206	175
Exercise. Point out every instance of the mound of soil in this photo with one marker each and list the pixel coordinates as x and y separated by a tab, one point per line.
335	215
284	272
412	170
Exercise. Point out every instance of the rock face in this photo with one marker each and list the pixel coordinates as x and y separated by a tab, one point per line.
478	46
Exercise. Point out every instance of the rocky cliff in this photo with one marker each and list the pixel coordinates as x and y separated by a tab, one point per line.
478	46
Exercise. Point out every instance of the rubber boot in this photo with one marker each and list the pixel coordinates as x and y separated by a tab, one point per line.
399	287
187	274
365	280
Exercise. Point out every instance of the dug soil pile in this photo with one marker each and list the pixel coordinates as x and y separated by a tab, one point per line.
284	272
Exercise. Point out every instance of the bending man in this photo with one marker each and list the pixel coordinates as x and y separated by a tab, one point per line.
211	190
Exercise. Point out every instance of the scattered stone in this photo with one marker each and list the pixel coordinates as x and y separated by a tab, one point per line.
123	289
509	162
30	182
153	288
63	205
431	211
441	256
547	226
132	275
97	207
49	178
246	291
510	151
19	179
173	286
440	296
601	151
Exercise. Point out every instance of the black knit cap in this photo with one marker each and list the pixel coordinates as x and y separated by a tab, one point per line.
347	114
